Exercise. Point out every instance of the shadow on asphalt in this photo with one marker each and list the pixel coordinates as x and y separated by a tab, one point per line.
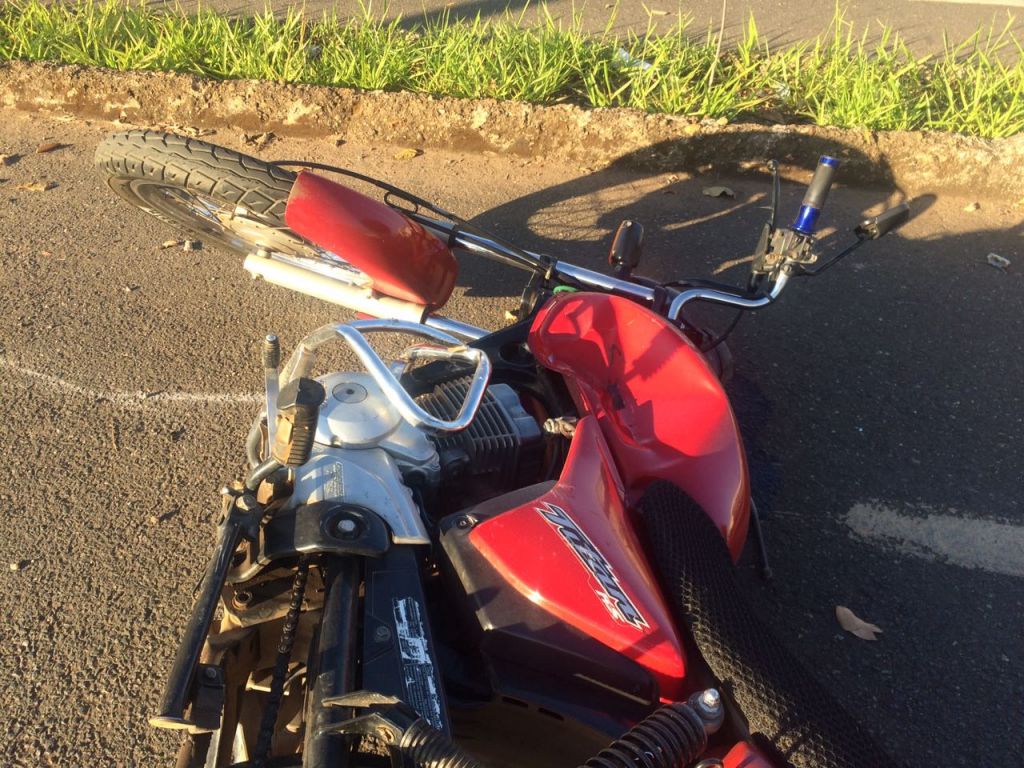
893	379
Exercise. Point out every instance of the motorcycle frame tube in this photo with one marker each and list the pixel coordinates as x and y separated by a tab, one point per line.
353	334
332	664
455	327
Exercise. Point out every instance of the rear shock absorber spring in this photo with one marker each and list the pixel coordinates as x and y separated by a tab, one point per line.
672	736
284	654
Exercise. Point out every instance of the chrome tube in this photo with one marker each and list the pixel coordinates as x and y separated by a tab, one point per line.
337	290
271	362
301	364
722	297
602	282
455	327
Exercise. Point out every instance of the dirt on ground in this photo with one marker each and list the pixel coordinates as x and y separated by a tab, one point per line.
916	162
129	375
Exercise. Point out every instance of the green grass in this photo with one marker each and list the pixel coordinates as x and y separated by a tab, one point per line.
841	78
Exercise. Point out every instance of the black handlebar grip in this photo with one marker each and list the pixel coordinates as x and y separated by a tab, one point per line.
298	409
817	194
883	223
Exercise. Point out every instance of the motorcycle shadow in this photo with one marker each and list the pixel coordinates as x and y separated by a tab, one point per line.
892	380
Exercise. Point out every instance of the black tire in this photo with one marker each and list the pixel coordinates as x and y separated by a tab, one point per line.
220	196
786	708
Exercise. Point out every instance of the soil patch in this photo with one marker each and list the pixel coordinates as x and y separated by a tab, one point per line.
916	162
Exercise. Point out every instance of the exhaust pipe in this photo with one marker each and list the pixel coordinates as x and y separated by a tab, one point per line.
334	290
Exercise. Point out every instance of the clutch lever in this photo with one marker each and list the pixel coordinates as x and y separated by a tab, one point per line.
869	229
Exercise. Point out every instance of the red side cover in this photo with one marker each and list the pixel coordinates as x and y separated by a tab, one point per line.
743	755
401	258
660	407
574	553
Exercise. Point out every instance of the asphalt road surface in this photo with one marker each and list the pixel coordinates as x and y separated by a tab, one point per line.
881	405
921	22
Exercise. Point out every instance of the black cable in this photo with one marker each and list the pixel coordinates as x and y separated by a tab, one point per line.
714	341
707	346
526	261
390	189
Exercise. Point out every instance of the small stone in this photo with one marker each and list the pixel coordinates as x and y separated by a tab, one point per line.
153	520
972	207
719	192
15	566
38	186
49	146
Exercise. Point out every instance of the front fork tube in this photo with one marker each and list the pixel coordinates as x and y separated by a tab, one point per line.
332	664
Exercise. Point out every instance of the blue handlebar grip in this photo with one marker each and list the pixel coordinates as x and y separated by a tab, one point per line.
817	193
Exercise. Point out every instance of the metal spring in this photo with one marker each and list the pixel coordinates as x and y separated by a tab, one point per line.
672	736
284	655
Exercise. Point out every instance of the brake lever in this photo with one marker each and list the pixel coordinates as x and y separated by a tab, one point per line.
764	244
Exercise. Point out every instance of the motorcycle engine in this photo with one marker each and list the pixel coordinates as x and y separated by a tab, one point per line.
367	455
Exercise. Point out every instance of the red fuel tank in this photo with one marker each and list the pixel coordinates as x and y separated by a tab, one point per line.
661	409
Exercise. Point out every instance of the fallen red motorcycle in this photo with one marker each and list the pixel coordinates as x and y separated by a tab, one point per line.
508	548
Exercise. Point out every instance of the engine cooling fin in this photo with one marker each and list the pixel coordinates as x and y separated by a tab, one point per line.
783	704
502	440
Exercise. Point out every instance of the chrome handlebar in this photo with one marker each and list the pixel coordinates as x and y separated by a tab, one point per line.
588	278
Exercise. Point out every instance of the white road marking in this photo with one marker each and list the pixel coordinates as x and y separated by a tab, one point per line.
964	541
137	400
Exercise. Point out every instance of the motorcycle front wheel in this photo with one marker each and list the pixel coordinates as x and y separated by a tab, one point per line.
220	196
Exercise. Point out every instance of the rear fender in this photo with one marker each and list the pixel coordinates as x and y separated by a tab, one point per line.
401	258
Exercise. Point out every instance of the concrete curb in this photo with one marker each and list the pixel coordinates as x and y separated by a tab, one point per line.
916	162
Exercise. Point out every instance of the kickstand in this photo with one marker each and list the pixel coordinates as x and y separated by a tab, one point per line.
762	551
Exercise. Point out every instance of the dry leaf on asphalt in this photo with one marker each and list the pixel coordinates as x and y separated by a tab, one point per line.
855	625
660	13
719	192
997	261
188	130
49	146
407	154
38	186
258	140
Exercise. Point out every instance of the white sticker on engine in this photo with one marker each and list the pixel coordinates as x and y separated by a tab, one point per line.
422	693
334	481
